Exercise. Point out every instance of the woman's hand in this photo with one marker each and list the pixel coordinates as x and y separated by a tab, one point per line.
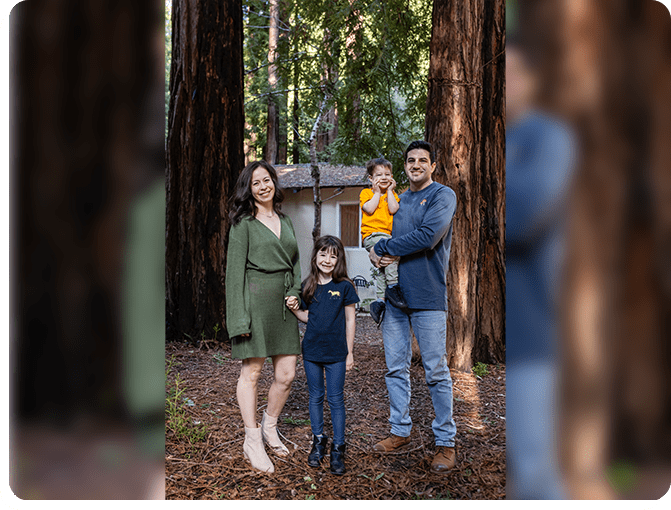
349	362
291	302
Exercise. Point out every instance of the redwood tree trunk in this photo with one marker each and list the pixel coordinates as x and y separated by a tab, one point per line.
613	84
87	140
204	158
273	126
465	123
328	134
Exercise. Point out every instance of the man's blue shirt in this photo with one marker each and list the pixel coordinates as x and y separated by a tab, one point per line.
422	237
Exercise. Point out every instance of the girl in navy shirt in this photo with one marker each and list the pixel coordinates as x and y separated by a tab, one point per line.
328	298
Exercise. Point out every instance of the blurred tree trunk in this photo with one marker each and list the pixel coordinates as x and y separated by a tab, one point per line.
465	123
204	158
273	126
87	138
613	85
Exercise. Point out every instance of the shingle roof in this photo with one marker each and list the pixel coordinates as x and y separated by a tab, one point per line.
330	176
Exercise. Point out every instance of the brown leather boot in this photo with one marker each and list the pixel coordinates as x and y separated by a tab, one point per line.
391	444
444	460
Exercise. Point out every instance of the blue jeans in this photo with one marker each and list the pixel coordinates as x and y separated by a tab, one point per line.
430	328
335	384
531	410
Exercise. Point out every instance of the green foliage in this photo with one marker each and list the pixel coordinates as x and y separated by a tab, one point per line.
480	369
176	419
292	421
622	475
375	478
371	56
220	359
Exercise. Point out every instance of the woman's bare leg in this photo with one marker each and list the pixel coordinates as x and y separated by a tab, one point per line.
247	389
285	371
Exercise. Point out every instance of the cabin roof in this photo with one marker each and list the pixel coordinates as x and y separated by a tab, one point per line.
330	176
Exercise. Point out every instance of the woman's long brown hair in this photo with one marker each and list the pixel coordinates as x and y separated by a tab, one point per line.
243	200
329	243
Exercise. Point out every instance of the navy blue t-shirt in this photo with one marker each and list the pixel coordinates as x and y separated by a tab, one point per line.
325	339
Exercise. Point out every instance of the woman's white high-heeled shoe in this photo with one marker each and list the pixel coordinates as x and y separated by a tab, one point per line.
255	452
270	437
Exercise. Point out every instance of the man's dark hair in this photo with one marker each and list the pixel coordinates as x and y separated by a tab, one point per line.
420	144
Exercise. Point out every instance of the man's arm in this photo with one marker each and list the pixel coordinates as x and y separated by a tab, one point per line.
435	225
383	261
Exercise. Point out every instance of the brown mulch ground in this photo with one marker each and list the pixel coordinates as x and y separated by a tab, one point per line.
214	468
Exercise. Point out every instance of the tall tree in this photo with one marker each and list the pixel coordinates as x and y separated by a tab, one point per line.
273	127
327	134
86	159
380	81
613	85
204	158
465	123
84	147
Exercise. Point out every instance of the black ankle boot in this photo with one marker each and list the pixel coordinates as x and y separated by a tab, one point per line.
338	459
318	450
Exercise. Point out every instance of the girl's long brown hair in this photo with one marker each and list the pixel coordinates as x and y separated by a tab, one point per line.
329	243
243	201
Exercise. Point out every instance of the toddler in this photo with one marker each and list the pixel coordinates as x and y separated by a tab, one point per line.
379	203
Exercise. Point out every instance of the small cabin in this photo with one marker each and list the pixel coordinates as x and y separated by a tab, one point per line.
341	216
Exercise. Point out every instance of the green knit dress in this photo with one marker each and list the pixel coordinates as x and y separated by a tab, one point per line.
261	270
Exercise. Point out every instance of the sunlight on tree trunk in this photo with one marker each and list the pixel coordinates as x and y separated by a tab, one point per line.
465	123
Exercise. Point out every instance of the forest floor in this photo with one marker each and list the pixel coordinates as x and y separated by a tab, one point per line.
205	461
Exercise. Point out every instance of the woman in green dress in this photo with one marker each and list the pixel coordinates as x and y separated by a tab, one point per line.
263	279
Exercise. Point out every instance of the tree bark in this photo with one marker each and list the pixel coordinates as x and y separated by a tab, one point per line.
273	127
204	158
314	171
613	86
327	135
295	124
465	124
87	139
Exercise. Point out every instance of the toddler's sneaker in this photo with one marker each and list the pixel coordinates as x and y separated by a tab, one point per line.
377	309
395	297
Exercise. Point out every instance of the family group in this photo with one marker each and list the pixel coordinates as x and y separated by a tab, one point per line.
408	238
